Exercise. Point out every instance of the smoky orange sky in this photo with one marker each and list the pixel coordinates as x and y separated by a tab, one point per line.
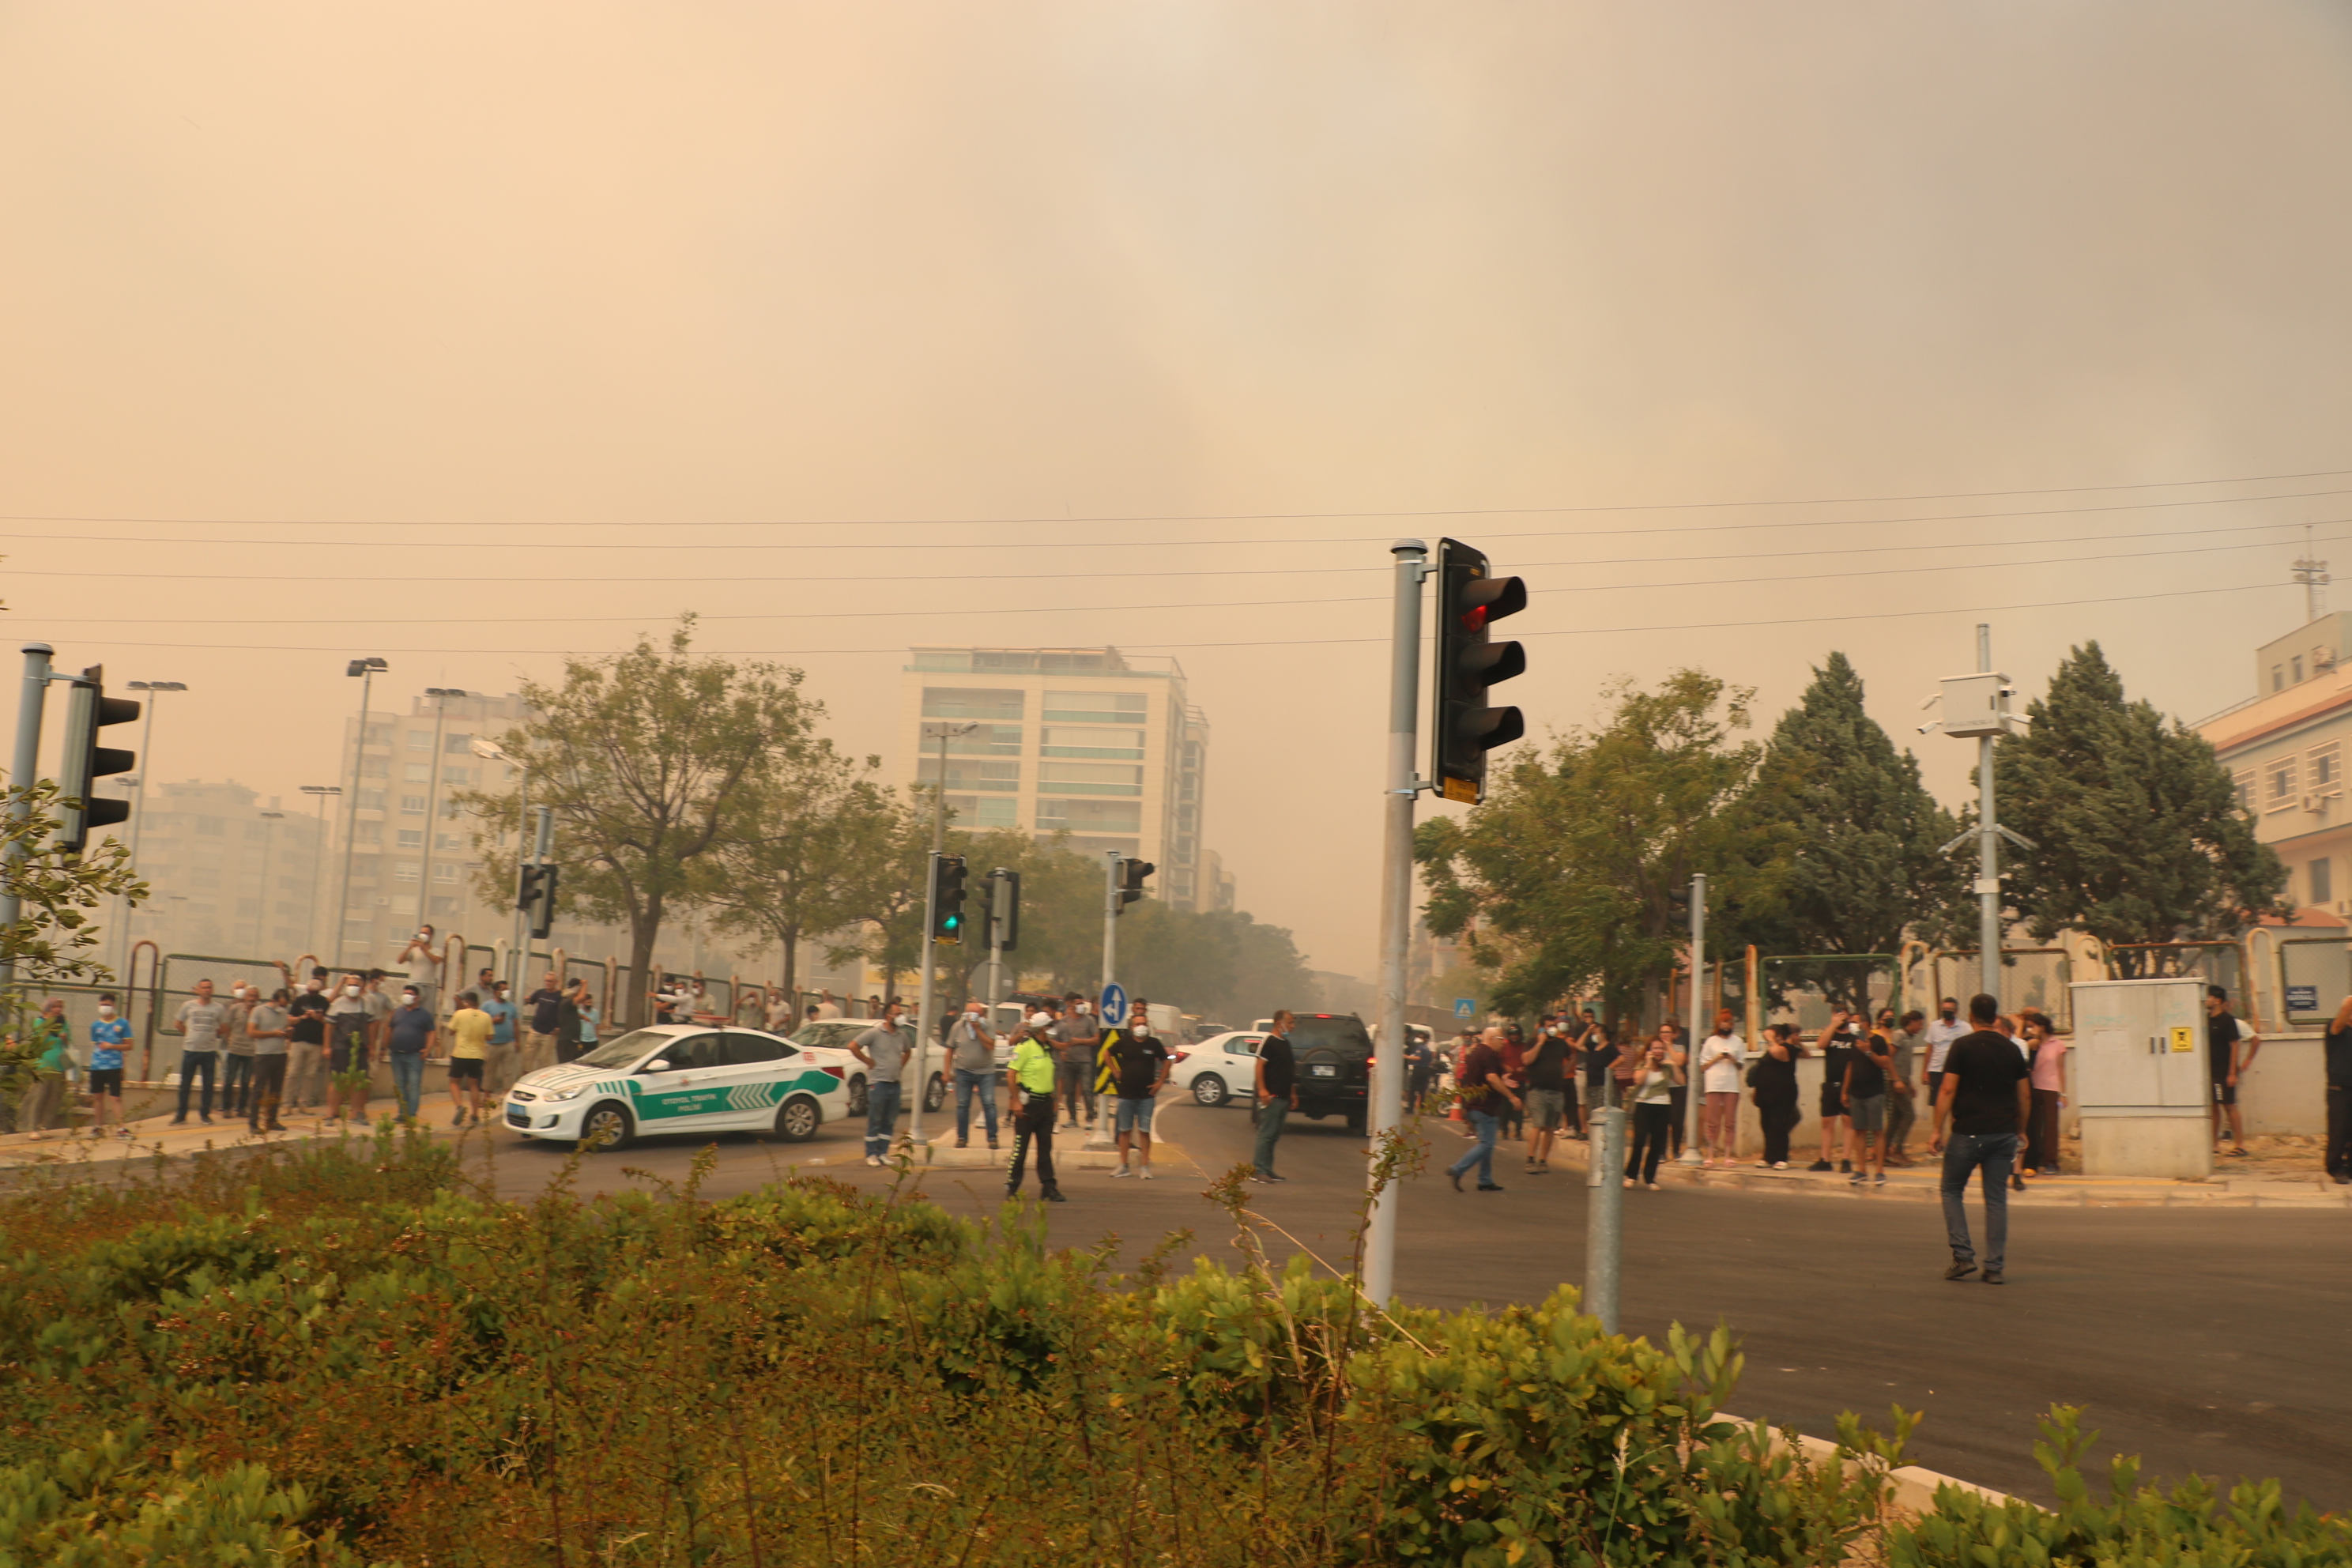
472	335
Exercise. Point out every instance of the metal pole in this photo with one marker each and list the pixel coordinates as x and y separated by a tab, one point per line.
1692	1092
27	770
923	1009
1110	929
996	886
139	807
524	851
431	808
1988	847
1396	907
318	865
1604	1233
351	818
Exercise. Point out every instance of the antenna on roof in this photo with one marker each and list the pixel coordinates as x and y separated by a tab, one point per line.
2313	574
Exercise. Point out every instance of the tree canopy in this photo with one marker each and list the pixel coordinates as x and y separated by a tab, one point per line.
1868	830
2138	833
1564	882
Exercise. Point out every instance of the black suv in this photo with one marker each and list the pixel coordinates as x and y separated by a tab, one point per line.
1334	1054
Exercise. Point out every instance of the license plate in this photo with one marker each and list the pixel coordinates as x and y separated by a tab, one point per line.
1322	1070
518	1118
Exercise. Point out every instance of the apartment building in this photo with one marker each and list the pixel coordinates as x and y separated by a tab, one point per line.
2285	747
1084	740
231	872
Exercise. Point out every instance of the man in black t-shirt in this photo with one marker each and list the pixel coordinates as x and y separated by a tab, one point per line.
307	1044
1986	1092
1136	1063
1550	1073
1836	1045
1278	1094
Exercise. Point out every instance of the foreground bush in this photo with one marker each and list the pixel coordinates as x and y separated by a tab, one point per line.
342	1356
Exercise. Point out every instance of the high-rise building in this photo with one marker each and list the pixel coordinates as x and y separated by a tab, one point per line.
1085	741
229	874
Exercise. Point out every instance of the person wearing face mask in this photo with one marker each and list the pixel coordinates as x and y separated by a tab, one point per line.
237	1052
203	1020
412	1037
52	1061
267	1024
109	1038
1940	1037
349	1029
306	1058
504	1018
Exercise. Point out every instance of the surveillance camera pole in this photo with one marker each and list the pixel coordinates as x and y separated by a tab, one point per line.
1984	716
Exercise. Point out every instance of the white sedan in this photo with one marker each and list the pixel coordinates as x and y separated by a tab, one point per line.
681	1078
827	1041
1220	1069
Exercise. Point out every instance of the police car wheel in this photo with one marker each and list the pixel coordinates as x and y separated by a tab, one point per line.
935	1094
798	1118
857	1096
1209	1089
606	1127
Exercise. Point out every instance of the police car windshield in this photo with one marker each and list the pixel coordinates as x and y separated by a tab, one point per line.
623	1051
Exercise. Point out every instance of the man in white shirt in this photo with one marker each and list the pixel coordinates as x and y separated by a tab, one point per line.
1719	1056
1939	1036
423	968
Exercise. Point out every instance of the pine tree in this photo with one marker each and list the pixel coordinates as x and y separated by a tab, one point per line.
1866	833
2138	833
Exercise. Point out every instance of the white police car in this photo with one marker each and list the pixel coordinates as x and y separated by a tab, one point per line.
679	1078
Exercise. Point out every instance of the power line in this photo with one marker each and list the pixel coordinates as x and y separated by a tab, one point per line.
1192	517
901	649
1209	543
1129	609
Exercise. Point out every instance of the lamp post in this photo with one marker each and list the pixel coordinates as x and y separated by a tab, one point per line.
319	852
154	688
365	669
268	843
440	695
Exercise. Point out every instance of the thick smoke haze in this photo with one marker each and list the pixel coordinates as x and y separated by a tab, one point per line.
474	335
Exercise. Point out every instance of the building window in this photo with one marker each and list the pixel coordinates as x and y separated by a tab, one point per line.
988	741
409	838
411	806
1097	707
375	767
1061	740
1090	816
1089	778
256	832
2278	677
420	740
450	775
459	743
2295	672
417	773
368	831
212	826
379	735
957	702
371	800
1003	778
406	872
448	906
2321	874
445	872
984	810
447	841
2328	768
2280	788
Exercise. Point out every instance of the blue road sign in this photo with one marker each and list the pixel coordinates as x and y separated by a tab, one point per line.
1114	1003
1465	1006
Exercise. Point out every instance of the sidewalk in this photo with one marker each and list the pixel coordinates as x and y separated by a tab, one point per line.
154	1137
2243	1188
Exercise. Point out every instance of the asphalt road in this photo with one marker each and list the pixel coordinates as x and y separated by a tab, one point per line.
2219	1342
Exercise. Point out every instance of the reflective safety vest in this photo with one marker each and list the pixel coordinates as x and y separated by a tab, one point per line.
1032	1066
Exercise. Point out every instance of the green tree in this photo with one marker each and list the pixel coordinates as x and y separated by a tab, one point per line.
641	757
54	940
2138	833
1835	785
1563	882
1217	963
800	863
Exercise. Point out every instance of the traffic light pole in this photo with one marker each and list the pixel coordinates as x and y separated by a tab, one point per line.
24	773
1694	1084
1396	910
1110	929
923	1007
1988	848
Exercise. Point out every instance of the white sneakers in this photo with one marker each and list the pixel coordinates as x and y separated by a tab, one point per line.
1122	1171
1145	1173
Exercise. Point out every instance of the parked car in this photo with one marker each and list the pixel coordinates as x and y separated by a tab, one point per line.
1334	1055
678	1077
1220	1071
828	1040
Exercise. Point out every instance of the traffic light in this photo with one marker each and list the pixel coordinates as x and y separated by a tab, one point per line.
538	898
1462	729
1004	907
947	898
90	710
1130	881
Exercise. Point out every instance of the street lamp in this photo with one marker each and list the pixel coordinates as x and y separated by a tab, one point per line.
139	785
440	695
319	852
261	918
490	750
943	733
365	669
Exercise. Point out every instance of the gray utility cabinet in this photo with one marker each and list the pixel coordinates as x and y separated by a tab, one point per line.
2141	1085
